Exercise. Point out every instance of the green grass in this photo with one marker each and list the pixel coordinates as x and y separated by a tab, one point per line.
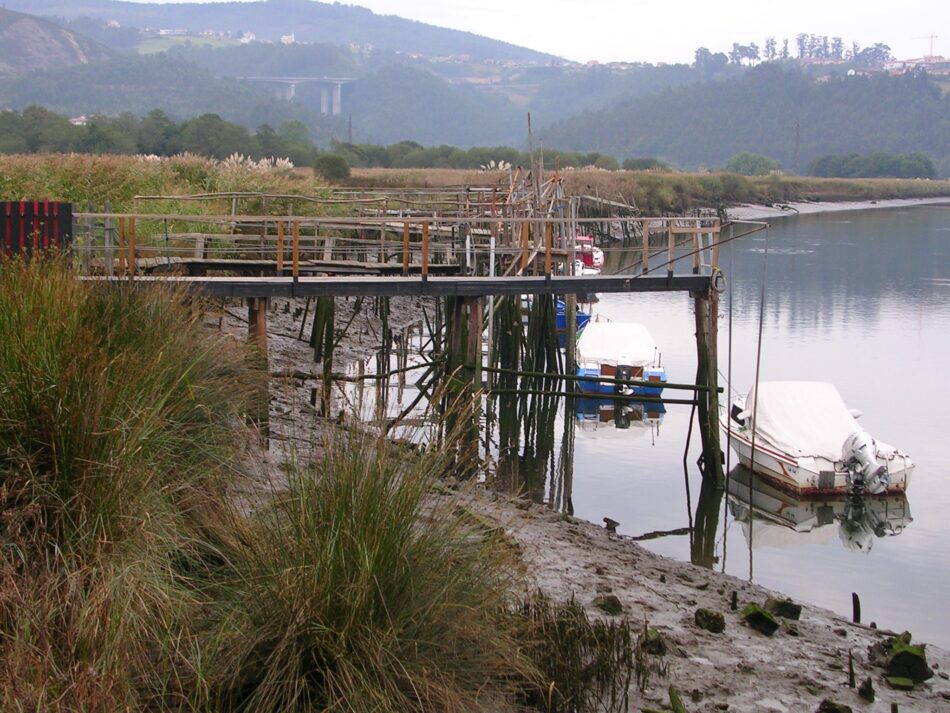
356	590
116	435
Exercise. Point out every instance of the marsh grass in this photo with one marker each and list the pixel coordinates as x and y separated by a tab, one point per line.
117	429
359	590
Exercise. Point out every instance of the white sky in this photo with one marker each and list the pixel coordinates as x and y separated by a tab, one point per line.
671	30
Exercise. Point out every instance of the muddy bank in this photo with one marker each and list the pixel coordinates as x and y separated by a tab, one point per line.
749	211
739	669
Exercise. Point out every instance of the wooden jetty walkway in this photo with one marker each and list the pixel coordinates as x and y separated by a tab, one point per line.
466	248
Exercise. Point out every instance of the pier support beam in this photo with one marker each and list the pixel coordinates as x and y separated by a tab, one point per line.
257	335
707	337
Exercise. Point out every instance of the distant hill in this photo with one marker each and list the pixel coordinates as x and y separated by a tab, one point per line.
139	84
400	103
32	43
772	110
308	20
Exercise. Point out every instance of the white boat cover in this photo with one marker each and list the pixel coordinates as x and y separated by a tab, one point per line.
802	418
616	343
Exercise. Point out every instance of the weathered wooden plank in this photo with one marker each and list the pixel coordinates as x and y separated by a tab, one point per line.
395	286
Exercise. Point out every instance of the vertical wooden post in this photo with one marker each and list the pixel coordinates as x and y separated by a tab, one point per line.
107	239
280	248
132	264
707	308
257	335
425	250
121	246
525	237
296	249
645	252
670	245
87	248
473	354
547	249
405	248
570	336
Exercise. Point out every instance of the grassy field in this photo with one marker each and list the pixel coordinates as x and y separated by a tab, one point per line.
672	193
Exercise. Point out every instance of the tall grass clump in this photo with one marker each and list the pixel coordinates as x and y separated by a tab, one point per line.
357	589
117	418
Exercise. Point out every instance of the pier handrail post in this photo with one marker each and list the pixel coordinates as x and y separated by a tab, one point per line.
121	246
280	248
645	253
405	248
425	251
525	238
296	250
132	264
547	250
670	249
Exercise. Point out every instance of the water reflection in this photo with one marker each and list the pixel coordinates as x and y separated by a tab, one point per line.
771	517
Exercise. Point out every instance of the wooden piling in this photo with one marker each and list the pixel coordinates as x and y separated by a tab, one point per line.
706	307
121	246
257	335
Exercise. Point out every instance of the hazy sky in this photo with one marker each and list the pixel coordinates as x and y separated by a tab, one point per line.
670	30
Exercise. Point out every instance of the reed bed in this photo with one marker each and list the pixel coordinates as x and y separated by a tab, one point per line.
663	193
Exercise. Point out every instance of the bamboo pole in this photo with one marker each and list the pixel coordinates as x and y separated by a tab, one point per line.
525	238
547	249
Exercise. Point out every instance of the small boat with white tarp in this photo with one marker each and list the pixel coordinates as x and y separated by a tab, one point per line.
618	350
808	441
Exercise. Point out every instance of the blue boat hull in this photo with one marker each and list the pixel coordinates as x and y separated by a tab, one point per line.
590	382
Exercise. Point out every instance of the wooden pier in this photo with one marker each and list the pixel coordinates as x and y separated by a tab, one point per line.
468	248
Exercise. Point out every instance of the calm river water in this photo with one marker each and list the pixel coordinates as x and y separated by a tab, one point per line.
860	299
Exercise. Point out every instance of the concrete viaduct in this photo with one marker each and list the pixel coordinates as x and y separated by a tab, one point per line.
331	89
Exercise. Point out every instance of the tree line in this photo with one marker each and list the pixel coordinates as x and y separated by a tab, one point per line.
877	165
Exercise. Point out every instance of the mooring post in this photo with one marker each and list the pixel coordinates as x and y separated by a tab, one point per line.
707	309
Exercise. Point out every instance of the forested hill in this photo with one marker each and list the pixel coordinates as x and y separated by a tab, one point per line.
768	111
32	43
308	20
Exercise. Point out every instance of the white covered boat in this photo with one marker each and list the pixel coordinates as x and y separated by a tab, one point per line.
807	441
618	350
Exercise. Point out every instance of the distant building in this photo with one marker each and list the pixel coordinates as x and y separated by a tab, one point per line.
79	120
290	39
247	38
934	65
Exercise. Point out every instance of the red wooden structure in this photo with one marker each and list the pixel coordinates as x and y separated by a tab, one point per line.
35	226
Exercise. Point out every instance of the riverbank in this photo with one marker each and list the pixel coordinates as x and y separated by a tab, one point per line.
802	664
751	211
738	670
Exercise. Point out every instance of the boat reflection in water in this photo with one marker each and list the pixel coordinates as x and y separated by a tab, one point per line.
777	518
605	416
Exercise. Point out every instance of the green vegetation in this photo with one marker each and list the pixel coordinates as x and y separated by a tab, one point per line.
644	164
879	165
409	154
135	578
332	167
775	110
750	164
116	440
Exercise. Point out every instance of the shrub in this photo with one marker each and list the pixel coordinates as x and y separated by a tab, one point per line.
332	167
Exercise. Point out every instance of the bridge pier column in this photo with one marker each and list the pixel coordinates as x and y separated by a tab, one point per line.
324	100
337	99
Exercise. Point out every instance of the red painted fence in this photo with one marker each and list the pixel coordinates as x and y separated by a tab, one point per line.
35	226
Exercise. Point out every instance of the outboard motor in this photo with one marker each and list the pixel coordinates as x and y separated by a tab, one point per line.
859	454
623	372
